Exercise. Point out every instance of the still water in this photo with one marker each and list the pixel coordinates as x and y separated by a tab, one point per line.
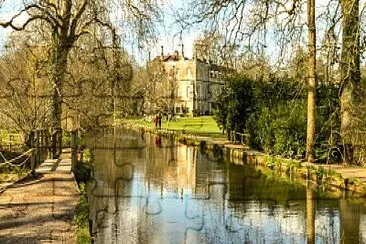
151	190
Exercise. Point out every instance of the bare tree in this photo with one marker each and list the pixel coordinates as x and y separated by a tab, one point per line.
67	21
310	135
350	66
246	23
24	98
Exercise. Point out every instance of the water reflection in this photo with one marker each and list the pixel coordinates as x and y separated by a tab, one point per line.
151	190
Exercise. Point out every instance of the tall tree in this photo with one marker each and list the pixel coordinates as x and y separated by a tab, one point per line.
350	65
310	132
248	22
24	93
67	21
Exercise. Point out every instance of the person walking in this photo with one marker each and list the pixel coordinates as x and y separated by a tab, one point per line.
156	121
159	120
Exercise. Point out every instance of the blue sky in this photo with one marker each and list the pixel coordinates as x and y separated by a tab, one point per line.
167	36
166	32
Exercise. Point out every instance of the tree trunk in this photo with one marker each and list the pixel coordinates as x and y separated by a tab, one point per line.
58	71
310	137
350	67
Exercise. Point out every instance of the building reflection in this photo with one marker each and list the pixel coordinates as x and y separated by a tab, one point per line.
158	191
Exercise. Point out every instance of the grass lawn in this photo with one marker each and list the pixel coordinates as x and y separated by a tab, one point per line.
201	126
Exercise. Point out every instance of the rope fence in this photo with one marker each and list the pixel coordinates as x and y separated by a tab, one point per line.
12	163
238	138
41	144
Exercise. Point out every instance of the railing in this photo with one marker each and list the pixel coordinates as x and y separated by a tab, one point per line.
237	137
74	149
38	144
42	144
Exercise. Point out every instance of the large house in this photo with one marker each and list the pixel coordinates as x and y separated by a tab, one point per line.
191	84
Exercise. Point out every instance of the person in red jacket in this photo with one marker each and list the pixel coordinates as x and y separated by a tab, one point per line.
156	121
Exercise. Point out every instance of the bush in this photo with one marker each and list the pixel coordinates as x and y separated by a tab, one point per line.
234	103
281	130
274	112
83	171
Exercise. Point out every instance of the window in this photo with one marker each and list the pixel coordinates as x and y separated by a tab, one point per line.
177	110
189	73
178	73
188	91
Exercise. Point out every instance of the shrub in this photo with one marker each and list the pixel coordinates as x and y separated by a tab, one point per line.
234	104
274	112
280	130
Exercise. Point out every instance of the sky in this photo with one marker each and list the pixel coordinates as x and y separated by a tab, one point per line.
168	31
7	10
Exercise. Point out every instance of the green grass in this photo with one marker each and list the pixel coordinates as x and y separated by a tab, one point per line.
8	137
81	217
201	126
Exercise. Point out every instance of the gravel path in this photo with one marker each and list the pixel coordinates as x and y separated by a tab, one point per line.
39	209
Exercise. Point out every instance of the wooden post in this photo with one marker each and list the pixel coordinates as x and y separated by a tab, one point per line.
74	149
31	145
59	149
38	158
44	150
54	145
47	143
44	144
42	138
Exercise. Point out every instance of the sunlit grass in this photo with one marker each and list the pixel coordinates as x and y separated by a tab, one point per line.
201	126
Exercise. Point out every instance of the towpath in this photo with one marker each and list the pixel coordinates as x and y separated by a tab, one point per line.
40	209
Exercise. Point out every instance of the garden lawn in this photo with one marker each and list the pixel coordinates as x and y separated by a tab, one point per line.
200	126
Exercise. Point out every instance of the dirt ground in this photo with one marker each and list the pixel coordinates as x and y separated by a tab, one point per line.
39	209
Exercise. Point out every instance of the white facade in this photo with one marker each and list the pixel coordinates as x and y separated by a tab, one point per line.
196	84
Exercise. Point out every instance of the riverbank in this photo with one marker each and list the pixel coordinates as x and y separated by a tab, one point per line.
332	177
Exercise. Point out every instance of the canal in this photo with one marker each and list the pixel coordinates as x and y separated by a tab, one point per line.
147	189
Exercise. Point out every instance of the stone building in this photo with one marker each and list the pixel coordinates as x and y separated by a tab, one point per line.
190	85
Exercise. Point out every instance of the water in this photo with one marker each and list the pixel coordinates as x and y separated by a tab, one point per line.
150	190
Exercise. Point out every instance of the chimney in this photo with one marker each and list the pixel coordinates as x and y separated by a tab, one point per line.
162	52
182	51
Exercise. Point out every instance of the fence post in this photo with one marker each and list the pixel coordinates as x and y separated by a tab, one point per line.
47	143
57	143
44	149
74	149
31	145
59	149
37	147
